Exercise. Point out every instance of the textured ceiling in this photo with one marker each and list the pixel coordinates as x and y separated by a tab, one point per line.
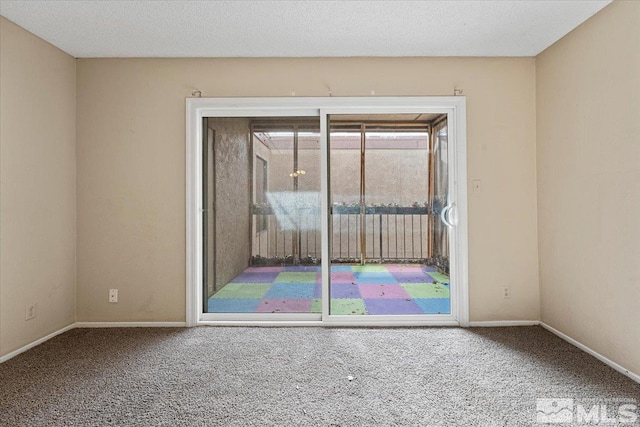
299	28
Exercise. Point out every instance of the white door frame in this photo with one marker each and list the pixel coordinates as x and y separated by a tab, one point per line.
453	106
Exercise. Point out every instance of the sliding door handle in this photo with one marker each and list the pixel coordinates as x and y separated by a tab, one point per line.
452	215
443	216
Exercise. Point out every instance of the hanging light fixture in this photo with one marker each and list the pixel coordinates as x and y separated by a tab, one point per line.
297	173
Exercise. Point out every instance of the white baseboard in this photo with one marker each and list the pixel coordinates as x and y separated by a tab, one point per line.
501	323
36	342
497	323
92	325
131	324
593	353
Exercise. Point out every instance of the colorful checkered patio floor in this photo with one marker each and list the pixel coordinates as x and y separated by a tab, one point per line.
369	289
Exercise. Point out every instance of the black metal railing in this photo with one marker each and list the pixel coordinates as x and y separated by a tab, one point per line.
290	239
397	234
390	234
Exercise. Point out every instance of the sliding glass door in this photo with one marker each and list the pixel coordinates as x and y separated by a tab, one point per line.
336	214
261	227
389	246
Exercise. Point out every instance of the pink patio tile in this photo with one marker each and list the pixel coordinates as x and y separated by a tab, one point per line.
387	291
395	268
339	277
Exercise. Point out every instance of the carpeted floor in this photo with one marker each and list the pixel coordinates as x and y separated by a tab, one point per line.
300	377
369	289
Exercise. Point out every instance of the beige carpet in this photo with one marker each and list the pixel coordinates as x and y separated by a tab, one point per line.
300	376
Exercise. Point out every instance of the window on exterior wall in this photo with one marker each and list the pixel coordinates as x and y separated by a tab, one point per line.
261	177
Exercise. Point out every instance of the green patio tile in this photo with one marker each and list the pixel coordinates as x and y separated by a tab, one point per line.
347	306
442	278
369	268
426	290
316	306
296	277
243	290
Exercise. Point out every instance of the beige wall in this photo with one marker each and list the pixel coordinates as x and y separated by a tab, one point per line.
131	173
588	129
38	187
130	213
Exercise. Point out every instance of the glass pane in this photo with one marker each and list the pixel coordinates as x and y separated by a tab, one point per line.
261	180
345	194
208	276
308	198
398	193
440	256
267	216
381	187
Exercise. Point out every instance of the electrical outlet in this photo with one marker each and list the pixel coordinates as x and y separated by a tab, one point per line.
506	292
30	312
113	295
476	186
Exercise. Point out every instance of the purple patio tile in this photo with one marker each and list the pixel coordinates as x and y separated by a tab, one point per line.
428	268
392	306
317	290
417	277
276	269
255	277
344	290
284	306
383	291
